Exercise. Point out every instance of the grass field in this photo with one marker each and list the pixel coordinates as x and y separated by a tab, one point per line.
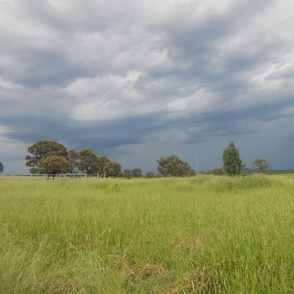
205	234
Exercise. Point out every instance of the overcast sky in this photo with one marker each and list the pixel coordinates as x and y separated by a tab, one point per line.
137	80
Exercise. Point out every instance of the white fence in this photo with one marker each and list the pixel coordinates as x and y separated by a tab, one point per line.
51	177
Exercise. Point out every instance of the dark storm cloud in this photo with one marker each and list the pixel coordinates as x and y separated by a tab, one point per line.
230	123
97	135
116	133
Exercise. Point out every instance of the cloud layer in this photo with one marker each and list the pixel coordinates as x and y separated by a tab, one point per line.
136	80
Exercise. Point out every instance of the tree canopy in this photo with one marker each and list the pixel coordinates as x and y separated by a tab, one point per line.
232	162
261	164
136	172
41	150
1	167
127	173
150	174
73	159
174	166
101	163
112	169
53	165
88	162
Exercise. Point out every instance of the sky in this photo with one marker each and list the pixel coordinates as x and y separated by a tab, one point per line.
137	80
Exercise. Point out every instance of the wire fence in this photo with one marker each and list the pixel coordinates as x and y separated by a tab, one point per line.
51	177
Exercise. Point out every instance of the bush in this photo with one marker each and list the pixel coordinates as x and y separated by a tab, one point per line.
218	171
150	174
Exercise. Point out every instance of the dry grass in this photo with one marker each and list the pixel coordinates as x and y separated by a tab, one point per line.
192	243
200	280
145	270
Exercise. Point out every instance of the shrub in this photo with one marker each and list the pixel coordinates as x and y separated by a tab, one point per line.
218	171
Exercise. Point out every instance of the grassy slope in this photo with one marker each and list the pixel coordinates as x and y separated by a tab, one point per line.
206	234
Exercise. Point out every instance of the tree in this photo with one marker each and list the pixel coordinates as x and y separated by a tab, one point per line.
232	162
261	163
112	169
1	167
41	150
150	174
218	171
88	161
174	166
136	173
127	173
53	165
102	161
73	157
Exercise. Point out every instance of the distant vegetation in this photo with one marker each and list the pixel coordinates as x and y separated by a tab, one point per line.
218	171
52	158
174	166
233	164
261	164
206	234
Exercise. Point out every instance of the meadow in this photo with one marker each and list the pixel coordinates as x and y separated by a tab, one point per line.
205	234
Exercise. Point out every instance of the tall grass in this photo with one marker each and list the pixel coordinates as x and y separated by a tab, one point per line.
205	234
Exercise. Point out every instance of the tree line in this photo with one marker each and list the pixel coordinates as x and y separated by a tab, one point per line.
51	157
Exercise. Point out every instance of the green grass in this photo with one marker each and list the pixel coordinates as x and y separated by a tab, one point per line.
205	234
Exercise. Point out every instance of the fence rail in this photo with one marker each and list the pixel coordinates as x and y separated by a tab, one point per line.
51	177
